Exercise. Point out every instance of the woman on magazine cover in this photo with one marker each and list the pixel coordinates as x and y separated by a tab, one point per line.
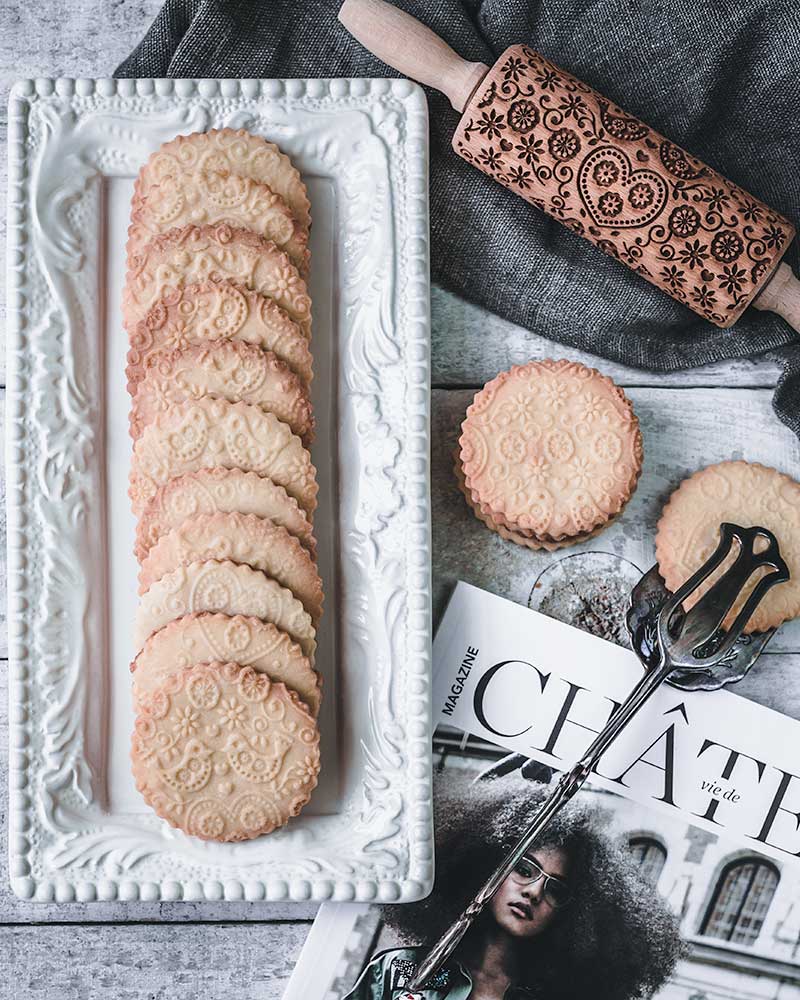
575	921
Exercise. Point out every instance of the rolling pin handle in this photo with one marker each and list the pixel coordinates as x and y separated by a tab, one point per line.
406	45
782	295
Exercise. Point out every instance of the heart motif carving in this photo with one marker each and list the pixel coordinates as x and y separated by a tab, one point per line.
616	195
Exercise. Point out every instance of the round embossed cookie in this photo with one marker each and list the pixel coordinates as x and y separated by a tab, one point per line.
200	638
551	450
224	753
210	312
508	534
207	433
228	151
742	493
239	538
228	589
212	253
224	370
228	490
205	197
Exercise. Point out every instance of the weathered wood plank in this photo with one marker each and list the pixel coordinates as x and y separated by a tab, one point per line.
470	346
684	430
134	961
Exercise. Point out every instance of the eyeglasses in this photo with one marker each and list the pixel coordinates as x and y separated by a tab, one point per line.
556	891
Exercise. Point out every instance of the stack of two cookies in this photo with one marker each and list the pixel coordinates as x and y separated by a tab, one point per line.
226	745
550	453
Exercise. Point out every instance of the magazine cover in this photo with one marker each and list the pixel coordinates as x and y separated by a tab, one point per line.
671	874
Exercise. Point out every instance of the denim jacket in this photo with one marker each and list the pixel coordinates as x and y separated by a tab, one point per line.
388	974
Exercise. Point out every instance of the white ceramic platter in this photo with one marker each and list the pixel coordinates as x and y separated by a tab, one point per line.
78	828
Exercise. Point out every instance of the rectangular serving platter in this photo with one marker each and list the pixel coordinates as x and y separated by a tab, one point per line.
77	826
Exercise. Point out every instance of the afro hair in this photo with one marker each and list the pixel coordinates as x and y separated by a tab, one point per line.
616	941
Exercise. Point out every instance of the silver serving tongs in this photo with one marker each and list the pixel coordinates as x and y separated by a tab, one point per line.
688	648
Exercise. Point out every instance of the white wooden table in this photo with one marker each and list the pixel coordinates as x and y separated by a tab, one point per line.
184	950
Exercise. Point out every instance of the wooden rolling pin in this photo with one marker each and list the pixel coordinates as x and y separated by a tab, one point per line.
607	176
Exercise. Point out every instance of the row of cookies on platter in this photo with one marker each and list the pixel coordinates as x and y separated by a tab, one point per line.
225	744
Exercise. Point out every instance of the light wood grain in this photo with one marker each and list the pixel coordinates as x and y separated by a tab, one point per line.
148	961
471	345
407	45
782	295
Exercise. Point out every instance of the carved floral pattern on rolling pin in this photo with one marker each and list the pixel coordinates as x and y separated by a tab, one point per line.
610	178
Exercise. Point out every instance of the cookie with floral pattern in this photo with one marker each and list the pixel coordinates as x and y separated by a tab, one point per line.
528	541
551	450
742	493
212	253
201	638
239	538
207	433
227	490
210	312
223	753
207	197
224	370
227	152
223	588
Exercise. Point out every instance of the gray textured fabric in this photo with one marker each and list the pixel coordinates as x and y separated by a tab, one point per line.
720	78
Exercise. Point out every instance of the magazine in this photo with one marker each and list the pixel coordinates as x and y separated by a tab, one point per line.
674	873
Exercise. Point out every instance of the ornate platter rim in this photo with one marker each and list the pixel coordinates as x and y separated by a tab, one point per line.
64	136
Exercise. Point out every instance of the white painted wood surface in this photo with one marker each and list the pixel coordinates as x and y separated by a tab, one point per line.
470	346
689	419
132	961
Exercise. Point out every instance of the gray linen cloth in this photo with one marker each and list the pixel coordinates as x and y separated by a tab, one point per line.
720	78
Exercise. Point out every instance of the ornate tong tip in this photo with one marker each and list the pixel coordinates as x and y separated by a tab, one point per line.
693	639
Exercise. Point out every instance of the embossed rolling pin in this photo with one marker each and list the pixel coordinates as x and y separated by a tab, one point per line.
550	138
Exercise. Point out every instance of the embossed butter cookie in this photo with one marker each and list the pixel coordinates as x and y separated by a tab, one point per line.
205	197
200	638
227	490
213	253
239	538
746	494
228	151
508	534
210	312
207	433
551	450
233	371
228	589
224	753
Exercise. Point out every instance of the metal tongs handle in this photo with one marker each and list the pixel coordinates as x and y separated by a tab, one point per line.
566	786
680	639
